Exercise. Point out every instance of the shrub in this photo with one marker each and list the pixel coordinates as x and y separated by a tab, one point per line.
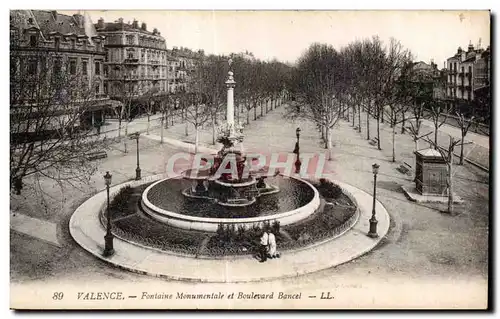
328	189
121	203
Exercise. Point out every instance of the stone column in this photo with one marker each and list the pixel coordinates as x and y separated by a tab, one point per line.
230	83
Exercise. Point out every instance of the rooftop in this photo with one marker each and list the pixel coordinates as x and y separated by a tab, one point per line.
52	21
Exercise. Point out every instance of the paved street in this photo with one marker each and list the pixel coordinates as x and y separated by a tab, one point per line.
423	244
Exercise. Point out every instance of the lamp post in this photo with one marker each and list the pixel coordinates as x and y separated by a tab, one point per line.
135	136
108	238
373	220
297	151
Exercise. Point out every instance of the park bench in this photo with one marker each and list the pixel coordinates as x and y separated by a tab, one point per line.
96	155
374	141
405	168
355	127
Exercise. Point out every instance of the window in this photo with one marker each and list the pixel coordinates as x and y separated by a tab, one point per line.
57	66
72	67
97	68
84	67
32	67
130	39
57	43
33	40
97	89
130	54
73	43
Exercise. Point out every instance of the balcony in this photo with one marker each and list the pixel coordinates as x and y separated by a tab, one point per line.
131	61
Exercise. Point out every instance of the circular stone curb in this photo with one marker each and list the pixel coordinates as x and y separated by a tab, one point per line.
88	232
207	224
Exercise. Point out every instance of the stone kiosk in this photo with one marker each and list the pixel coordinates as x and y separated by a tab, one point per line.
431	173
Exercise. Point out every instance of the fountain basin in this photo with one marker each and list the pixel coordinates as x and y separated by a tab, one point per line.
210	224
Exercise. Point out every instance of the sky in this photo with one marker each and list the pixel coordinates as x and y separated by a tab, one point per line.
285	35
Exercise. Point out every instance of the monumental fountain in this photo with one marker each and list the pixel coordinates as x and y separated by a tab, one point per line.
238	196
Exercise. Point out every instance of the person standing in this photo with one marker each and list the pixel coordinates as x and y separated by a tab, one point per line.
264	242
272	245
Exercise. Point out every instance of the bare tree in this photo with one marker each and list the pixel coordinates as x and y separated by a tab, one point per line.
319	75
464	123
447	154
149	99
438	113
123	110
167	105
48	101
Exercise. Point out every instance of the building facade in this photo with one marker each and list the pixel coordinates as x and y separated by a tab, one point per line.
186	62
136	59
57	59
461	76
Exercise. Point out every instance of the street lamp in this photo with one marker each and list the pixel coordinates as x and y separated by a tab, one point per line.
297	151
373	221
108	238
135	136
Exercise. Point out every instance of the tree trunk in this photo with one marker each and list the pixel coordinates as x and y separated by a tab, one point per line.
436	137
378	130
450	185
415	160
126	137
119	127
462	150
261	108
162	129
403	123
248	116
392	118
328	143
196	139
359	118
368	123
149	123
353	115
255	112
393	144
213	131
383	109
186	130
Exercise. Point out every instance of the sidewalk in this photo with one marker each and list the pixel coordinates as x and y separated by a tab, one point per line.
89	233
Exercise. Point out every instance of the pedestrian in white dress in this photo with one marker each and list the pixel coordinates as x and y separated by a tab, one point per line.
272	245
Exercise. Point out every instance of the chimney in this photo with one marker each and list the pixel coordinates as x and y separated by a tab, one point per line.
135	24
54	14
155	31
79	20
120	20
470	48
143	26
100	23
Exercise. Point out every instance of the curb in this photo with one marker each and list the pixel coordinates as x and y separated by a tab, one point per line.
129	264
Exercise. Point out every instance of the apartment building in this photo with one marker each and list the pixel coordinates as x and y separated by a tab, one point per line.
57	59
136	60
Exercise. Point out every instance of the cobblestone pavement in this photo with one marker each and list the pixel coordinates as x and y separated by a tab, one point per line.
423	246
